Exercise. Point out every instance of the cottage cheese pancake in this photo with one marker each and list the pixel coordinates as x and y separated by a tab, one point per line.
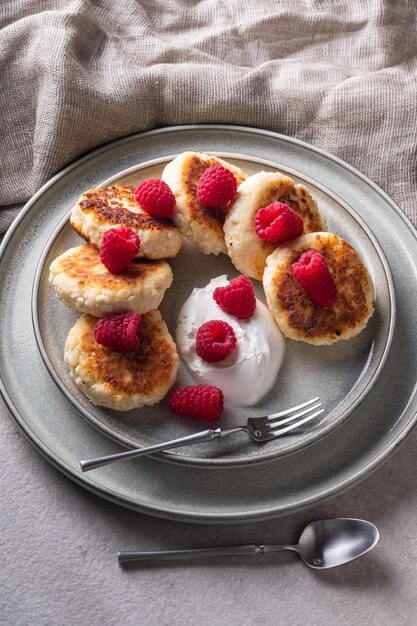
123	381
82	282
112	207
247	251
202	225
295	313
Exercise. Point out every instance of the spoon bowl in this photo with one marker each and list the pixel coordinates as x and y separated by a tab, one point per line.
331	542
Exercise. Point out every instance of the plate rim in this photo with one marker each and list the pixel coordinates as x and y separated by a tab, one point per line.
340	486
311	437
181	516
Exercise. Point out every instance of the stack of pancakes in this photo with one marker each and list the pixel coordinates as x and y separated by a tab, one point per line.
121	381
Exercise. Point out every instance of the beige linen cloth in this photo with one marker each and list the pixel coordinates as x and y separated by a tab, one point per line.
75	74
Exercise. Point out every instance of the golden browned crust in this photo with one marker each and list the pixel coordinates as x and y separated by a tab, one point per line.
85	266
213	217
142	372
109	205
352	283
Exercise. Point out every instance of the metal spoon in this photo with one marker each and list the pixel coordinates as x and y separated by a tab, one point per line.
322	544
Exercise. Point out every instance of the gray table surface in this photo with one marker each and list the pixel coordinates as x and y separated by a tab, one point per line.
59	545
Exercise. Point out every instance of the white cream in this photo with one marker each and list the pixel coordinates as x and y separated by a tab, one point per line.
250	371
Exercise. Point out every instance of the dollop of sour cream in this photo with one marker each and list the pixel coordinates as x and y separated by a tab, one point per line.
249	371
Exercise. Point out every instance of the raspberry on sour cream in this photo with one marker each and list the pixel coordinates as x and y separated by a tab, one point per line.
215	341
237	299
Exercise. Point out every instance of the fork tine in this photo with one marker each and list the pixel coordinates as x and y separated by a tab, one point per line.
294	408
274	422
282	431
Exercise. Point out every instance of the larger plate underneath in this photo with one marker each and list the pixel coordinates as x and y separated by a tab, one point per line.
179	491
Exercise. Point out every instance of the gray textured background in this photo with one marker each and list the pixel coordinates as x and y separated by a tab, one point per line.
75	74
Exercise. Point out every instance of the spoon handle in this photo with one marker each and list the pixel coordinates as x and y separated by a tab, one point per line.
129	556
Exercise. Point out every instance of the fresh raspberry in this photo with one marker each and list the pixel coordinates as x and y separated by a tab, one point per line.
118	332
203	402
237	298
118	247
217	186
278	223
312	273
215	340
155	197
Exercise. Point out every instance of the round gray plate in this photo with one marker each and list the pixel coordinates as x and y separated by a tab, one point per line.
178	490
341	374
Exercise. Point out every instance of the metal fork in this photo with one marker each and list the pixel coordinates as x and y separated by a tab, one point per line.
259	428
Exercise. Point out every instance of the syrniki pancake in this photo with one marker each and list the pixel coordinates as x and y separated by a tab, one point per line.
202	225
123	381
113	207
295	313
247	251
82	282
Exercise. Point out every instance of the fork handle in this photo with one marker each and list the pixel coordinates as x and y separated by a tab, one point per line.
159	555
200	437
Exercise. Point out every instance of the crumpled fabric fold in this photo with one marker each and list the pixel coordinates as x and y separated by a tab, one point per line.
76	74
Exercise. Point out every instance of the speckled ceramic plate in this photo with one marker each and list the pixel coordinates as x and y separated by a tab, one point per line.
341	374
214	493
